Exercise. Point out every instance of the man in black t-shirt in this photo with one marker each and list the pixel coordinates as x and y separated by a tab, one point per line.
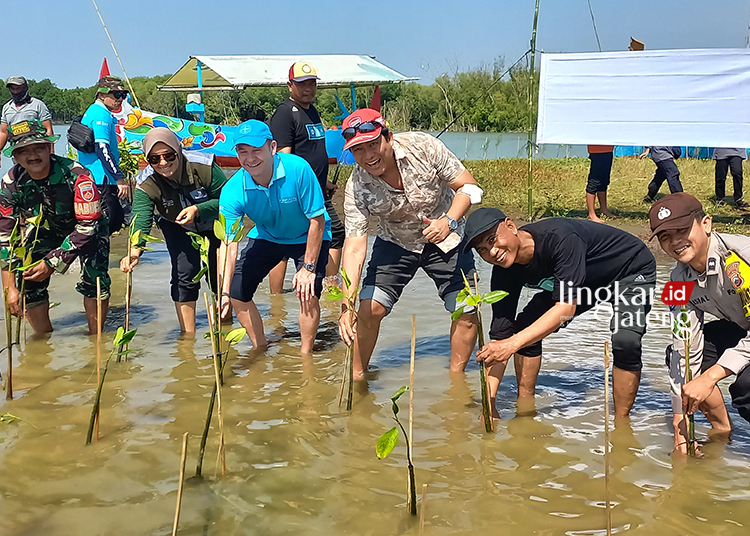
575	264
297	129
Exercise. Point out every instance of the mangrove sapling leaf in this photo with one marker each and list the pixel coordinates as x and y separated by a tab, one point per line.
387	442
219	229
200	274
122	338
235	336
493	296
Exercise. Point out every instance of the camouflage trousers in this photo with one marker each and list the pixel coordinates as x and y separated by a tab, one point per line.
94	263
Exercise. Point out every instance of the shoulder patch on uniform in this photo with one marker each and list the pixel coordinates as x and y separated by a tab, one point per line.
86	199
6	211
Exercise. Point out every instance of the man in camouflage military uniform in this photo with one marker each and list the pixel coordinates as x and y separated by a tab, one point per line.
72	225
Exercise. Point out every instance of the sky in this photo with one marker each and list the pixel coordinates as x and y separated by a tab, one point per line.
65	41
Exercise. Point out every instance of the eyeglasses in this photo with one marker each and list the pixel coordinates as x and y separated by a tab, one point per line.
120	94
369	126
155	159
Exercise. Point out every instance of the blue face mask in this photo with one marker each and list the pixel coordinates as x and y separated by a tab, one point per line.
22	97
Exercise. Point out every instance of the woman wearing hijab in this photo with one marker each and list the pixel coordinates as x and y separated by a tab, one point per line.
183	188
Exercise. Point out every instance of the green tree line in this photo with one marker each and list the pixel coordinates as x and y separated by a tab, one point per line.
479	100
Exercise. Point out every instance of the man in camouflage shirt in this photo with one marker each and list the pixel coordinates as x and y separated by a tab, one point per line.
72	225
418	192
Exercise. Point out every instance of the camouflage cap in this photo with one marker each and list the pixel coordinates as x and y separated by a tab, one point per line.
16	81
27	133
109	83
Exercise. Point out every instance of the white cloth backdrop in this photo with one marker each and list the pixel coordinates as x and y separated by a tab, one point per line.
658	97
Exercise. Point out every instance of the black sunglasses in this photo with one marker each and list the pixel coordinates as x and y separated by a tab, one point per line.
154	159
120	94
369	126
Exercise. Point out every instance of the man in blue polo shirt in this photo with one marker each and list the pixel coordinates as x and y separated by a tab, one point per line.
280	193
104	163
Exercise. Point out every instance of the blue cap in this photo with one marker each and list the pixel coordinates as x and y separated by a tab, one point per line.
252	132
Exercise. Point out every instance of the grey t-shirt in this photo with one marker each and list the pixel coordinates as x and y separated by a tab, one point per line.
660	154
720	153
35	109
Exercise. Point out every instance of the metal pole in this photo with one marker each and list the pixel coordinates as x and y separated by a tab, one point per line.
199	73
354	97
531	111
117	55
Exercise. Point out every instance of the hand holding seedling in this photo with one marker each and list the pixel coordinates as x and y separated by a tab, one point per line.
696	391
128	262
38	272
14	300
187	215
437	230
498	351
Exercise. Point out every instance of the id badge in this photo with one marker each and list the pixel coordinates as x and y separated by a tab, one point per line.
199	196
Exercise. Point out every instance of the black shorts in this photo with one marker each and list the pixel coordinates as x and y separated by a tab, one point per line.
260	256
628	323
338	232
599	172
391	267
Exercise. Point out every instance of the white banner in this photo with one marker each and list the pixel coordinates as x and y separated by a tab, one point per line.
660	97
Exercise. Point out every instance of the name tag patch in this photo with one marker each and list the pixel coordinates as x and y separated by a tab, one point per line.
315	132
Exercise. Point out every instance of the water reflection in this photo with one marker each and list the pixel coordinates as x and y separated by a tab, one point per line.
298	464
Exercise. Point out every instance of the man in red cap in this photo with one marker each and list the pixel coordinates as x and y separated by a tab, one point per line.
717	263
298	129
418	192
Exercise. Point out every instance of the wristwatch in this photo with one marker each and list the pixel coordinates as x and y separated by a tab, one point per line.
309	266
452	224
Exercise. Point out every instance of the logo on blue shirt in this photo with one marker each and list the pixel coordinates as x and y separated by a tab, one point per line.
315	132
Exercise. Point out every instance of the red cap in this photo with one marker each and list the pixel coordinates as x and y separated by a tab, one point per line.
358	117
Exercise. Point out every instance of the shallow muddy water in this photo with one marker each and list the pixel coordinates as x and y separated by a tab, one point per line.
296	464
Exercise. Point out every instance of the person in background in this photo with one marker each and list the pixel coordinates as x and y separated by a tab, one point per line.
297	129
598	181
104	163
717	265
666	170
729	159
183	187
22	107
418	193
74	225
279	192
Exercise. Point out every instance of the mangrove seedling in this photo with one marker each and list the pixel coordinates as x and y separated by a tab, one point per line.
231	338
472	299
136	240
24	253
388	442
349	298
682	330
121	339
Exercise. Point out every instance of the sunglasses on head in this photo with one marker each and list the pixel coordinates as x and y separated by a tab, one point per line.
120	94
155	159
369	126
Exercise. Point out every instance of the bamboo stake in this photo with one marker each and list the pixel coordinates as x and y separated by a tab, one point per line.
117	55
9	341
128	292
606	438
182	483
689	378
421	509
489	421
218	389
98	348
23	304
412	492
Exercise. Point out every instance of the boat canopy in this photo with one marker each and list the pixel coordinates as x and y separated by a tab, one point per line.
202	73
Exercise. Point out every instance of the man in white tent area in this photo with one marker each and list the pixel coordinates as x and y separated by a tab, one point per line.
418	192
